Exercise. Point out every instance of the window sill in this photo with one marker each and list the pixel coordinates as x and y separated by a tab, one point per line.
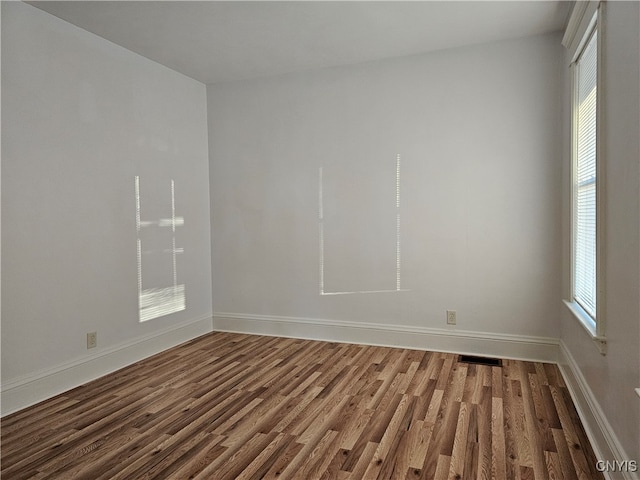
588	324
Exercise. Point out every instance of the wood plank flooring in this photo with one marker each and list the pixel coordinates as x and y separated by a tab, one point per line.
231	406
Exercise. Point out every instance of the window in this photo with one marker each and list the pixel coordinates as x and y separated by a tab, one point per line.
584	178
585	301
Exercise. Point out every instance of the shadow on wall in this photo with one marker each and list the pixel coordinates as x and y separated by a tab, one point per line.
158	236
359	221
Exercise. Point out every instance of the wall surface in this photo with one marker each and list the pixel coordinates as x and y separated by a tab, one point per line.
81	118
307	197
610	380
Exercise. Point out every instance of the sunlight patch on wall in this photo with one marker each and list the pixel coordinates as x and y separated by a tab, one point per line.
159	292
359	222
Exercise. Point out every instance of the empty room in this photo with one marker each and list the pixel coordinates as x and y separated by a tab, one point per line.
339	240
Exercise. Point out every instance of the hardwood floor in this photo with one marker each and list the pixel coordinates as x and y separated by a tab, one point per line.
231	406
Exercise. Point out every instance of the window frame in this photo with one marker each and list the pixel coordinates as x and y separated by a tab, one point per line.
591	22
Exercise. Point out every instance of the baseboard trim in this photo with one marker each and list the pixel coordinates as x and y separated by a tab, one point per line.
519	347
604	441
30	389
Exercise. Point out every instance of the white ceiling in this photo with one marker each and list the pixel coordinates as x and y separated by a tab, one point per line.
215	41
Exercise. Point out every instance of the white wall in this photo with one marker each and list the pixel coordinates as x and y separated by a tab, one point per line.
81	117
478	131
609	381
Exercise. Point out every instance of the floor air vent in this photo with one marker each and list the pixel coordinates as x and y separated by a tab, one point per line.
492	362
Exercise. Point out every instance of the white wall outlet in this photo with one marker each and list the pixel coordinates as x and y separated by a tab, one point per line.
92	339
451	317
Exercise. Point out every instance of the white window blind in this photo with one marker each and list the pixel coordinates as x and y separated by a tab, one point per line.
584	258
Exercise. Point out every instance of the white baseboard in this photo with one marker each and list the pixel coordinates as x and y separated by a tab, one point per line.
31	389
541	349
604	441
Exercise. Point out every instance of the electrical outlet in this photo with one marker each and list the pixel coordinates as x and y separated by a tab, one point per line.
92	339
451	317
